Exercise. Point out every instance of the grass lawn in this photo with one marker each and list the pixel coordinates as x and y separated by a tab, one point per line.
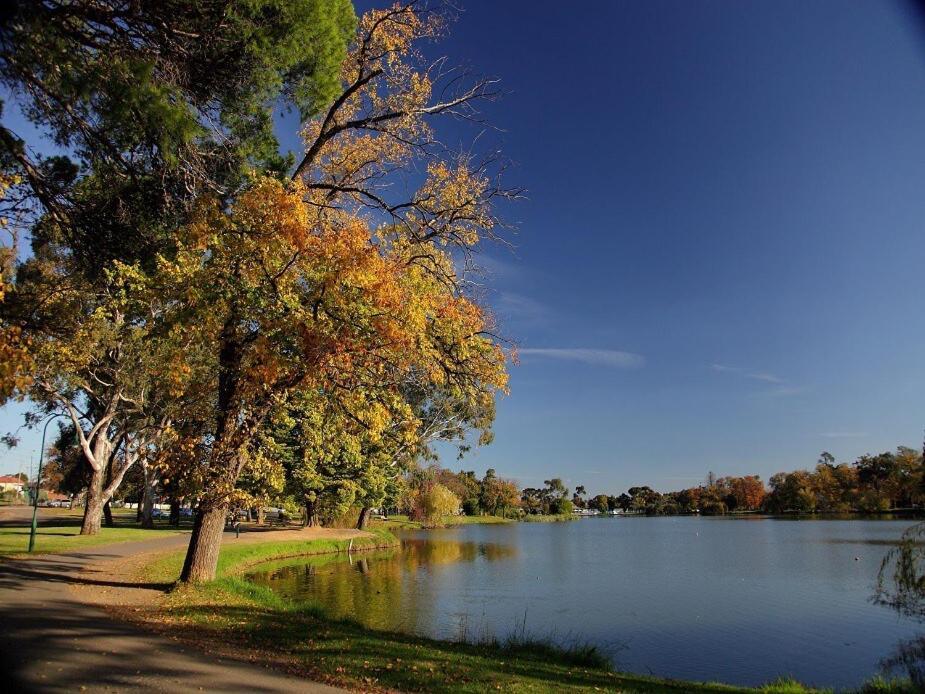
14	542
59	529
232	616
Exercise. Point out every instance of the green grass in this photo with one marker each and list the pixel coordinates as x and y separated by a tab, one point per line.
543	518
399	522
237	558
476	520
59	529
253	620
14	541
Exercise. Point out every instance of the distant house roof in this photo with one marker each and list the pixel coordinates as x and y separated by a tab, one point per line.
9	479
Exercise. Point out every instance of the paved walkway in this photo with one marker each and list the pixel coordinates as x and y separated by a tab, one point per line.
51	641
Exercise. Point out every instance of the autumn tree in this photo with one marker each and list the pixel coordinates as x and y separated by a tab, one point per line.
533	500
742	493
292	305
496	495
324	284
155	104
96	360
432	503
601	503
465	485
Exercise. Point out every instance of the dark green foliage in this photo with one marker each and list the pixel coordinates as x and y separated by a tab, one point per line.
561	507
471	507
154	104
115	78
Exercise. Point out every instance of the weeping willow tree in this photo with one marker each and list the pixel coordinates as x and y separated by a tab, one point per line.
901	587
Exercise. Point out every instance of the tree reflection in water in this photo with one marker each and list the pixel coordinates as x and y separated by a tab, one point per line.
901	587
377	589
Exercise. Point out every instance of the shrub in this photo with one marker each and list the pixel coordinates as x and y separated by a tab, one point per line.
561	507
434	502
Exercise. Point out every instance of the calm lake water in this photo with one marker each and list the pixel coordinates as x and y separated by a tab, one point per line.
736	600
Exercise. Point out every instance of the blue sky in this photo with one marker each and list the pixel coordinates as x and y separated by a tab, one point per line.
718	266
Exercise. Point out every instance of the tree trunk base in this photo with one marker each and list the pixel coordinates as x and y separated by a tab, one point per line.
363	520
93	518
93	506
205	543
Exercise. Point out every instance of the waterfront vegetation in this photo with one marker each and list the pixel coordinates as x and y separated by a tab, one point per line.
238	618
402	522
548	517
235	617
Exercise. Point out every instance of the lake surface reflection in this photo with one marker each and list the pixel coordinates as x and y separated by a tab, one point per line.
736	600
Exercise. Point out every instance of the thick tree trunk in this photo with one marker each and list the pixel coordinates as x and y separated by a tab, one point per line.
261	515
107	514
147	513
174	512
93	506
311	514
204	546
363	519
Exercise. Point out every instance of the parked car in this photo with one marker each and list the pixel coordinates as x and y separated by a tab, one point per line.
274	513
186	513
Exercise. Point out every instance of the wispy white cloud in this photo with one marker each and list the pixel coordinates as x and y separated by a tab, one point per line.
513	306
597	357
844	434
782	391
781	388
723	369
764	376
509	268
745	373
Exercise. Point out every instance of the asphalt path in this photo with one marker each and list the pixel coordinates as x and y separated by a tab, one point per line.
53	641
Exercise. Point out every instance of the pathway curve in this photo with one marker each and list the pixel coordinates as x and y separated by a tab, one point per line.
52	641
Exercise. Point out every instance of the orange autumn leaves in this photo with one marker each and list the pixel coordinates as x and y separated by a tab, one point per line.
329	304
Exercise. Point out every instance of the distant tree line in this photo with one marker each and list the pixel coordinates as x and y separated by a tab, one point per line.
872	483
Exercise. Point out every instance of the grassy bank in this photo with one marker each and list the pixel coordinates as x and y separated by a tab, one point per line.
399	522
235	559
545	518
232	617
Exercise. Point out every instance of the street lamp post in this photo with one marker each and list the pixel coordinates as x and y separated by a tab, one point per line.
38	483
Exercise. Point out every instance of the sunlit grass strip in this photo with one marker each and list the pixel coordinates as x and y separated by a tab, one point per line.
549	518
14	541
399	522
238	558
